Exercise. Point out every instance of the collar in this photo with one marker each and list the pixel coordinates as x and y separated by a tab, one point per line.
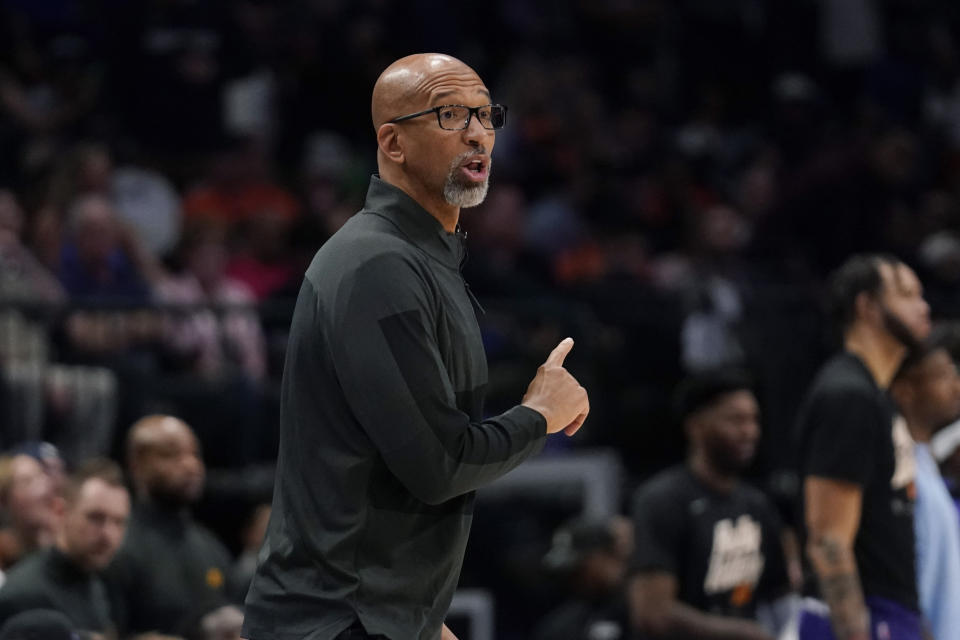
415	222
160	516
64	568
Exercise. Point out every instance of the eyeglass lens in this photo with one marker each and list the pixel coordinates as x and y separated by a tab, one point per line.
456	117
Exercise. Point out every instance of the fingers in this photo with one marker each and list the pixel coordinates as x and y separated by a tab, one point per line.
559	353
574	426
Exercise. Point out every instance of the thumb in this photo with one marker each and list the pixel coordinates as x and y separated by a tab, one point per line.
559	353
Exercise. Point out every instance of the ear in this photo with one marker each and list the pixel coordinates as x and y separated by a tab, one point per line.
388	141
59	507
865	307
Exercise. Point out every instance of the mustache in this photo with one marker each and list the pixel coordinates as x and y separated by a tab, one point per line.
477	151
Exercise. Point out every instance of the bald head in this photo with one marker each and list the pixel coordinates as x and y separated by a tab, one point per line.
152	431
164	459
442	168
408	84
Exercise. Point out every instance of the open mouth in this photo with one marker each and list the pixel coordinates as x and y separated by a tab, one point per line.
476	169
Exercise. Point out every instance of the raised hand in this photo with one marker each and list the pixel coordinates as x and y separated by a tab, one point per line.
556	394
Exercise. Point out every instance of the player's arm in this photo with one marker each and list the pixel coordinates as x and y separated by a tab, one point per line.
833	517
446	634
655	611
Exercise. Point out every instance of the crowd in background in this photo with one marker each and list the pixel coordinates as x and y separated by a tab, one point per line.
674	181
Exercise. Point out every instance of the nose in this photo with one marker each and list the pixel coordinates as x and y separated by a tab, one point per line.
113	534
191	463
475	135
750	430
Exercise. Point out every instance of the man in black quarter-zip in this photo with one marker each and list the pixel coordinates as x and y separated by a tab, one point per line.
383	437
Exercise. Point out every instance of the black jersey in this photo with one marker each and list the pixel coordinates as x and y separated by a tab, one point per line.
723	548
848	433
382	434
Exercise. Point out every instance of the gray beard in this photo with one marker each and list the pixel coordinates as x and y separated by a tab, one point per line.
461	193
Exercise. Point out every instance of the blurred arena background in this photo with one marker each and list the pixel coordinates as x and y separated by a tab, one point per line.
675	180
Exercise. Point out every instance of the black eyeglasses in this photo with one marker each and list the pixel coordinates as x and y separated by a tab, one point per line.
456	117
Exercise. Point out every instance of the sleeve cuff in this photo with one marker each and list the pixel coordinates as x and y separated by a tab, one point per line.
527	420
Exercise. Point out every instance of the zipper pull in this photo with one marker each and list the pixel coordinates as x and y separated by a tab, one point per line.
473	299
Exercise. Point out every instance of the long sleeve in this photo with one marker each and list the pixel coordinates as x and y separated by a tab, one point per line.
394	377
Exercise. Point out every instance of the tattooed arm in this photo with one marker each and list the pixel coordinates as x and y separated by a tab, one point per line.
833	518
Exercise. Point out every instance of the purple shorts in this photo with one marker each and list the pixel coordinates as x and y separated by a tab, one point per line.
888	621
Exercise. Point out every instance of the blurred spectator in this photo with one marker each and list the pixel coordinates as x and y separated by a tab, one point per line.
142	198
23	279
103	263
710	278
591	559
30	508
263	263
225	336
708	547
73	406
46	400
240	195
927	393
101	259
168	563
65	577
49	458
24	346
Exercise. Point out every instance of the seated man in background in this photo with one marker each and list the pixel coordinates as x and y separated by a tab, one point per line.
927	393
708	548
168	563
65	577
